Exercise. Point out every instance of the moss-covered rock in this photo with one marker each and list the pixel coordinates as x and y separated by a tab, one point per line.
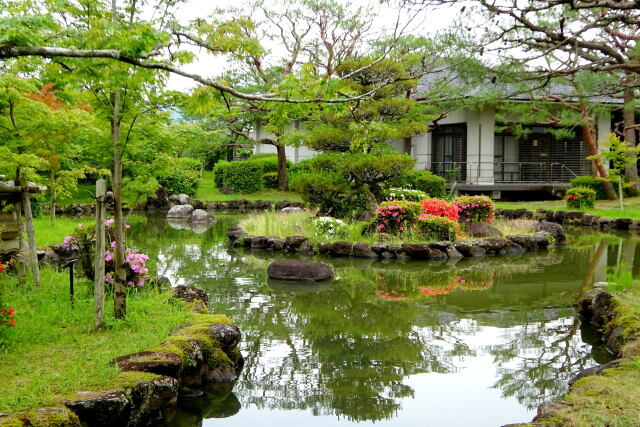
41	417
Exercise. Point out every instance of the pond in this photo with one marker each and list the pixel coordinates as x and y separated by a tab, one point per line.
477	342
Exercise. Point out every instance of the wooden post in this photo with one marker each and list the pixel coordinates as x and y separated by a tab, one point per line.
33	255
22	270
98	295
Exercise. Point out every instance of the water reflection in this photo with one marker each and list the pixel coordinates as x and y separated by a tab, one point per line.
396	343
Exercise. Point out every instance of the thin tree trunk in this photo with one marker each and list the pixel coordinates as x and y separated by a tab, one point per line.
406	145
54	196
22	270
620	192
33	254
119	292
283	179
629	120
589	138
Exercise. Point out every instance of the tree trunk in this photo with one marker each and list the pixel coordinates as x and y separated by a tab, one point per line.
54	195
33	255
589	138
283	180
22	270
99	271
629	120
120	291
406	145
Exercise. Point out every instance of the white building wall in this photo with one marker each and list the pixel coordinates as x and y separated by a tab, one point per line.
421	150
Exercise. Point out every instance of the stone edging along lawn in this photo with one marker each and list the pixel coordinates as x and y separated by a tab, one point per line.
577	218
149	382
434	251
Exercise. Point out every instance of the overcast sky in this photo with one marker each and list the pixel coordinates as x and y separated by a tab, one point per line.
210	65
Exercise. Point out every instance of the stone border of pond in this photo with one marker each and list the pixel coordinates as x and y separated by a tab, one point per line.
598	307
149	382
78	209
577	218
434	251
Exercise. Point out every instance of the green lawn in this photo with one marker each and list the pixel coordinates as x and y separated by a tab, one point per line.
209	192
54	350
604	208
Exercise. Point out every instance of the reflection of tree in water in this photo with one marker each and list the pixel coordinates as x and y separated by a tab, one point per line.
345	351
539	358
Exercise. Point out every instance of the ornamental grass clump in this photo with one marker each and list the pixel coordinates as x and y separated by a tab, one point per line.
439	207
475	209
396	216
437	227
580	198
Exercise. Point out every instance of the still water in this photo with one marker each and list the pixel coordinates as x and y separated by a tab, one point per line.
472	343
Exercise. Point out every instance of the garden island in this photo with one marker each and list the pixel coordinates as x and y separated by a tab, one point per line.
319	212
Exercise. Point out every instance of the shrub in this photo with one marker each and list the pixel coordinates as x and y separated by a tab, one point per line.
396	216
328	226
437	227
439	207
327	191
581	198
83	241
270	180
597	184
475	208
218	173
425	181
268	162
243	177
7	319
301	166
180	180
408	194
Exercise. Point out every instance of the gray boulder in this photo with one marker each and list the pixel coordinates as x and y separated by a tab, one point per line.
200	215
482	229
180	211
554	229
290	209
293	269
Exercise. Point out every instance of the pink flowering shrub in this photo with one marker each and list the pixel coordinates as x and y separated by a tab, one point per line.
475	209
438	227
396	216
439	207
84	240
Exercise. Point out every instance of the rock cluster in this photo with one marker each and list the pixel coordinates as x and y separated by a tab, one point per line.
433	251
575	218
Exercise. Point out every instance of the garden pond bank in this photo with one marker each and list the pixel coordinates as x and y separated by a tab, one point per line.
392	342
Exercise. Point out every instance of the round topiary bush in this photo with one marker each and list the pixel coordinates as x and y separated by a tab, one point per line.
436	227
475	208
580	198
396	216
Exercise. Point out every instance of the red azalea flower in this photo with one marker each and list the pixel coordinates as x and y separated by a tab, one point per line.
12	312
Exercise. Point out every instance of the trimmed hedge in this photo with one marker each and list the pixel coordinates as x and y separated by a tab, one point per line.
596	183
218	172
270	180
581	198
425	181
243	177
182	177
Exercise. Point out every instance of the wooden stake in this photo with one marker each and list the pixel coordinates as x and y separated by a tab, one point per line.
33	254
98	293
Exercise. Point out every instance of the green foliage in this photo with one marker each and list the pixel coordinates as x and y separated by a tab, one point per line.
621	279
243	177
438	228
596	183
270	180
425	181
328	191
218	172
181	176
580	198
268	162
396	216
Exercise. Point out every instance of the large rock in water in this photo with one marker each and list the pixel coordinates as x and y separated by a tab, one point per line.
554	229
180	199
200	215
293	269
180	211
482	229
